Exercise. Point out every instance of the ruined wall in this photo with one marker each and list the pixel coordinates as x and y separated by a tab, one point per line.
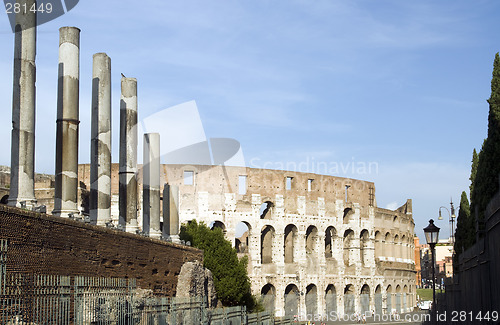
44	244
315	243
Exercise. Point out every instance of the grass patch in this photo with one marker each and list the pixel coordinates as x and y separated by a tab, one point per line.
426	294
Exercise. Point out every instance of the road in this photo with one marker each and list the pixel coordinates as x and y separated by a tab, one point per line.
407	318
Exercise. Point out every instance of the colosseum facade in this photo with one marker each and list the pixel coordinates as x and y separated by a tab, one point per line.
316	244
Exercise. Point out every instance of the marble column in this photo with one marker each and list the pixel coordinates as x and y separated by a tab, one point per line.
100	151
66	177
22	172
128	155
151	185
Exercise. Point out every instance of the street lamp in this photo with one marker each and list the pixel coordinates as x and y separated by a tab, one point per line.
432	236
452	220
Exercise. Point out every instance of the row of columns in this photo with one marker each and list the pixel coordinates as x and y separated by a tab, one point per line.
22	192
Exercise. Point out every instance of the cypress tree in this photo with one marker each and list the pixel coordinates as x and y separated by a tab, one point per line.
486	183
462	230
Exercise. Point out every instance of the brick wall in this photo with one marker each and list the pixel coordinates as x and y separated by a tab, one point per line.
44	244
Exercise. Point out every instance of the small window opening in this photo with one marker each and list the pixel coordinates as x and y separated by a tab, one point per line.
188	177
242	184
310	185
289	183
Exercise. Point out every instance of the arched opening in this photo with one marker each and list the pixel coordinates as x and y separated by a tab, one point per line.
378	244
266	247
389	299
5	199
312	248
365	298
291	301
398	299
268	295
364	242
242	233
348	246
403	249
396	249
388	246
349	307
378	300
290	243
266	210
405	298
348	212
331	299
217	224
311	300
330	235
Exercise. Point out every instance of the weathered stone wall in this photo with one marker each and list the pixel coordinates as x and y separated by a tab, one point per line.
44	244
322	239
319	239
477	284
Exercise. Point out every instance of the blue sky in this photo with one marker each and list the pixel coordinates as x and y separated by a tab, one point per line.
402	84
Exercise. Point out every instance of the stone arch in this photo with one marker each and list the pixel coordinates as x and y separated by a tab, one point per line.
312	248
330	238
348	212
266	247
364	239
291	301
396	251
403	247
365	298
405	299
290	243
348	246
331	299
389	301
218	224
266	210
241	243
378	300
268	296
398	299
311	299
349	300
388	245
378	244
5	199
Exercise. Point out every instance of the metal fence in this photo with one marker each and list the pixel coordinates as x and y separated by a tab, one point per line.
63	300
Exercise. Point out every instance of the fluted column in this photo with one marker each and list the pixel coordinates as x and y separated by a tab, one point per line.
22	172
66	185
100	151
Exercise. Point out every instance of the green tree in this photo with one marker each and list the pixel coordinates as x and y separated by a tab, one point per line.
473	170
461	233
486	183
230	273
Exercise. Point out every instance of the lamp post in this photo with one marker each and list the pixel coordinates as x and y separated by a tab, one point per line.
451	213
431	236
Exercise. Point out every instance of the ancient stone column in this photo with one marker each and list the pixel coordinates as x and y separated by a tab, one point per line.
171	212
66	186
100	151
128	155
151	185
22	186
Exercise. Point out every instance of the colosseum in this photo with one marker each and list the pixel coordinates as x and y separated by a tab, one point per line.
316	244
